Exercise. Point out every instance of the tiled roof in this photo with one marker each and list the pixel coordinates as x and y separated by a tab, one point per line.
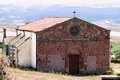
43	23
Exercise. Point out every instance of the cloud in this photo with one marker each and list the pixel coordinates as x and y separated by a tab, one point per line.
116	5
111	13
7	9
2	19
12	16
24	9
58	1
18	21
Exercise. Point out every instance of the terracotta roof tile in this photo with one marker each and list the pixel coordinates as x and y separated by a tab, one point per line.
43	23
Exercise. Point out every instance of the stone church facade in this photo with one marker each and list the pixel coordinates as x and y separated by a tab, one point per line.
73	46
62	44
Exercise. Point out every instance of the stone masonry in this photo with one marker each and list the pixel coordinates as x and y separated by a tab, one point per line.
73	37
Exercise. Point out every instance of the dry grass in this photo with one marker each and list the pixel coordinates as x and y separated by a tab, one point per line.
36	75
116	67
115	39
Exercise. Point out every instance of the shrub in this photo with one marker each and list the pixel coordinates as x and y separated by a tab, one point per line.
111	71
1	44
118	74
4	63
117	55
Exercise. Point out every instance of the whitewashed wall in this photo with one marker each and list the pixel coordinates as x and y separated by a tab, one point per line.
27	34
33	52
24	55
22	33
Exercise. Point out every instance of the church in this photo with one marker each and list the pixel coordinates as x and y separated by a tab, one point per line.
63	44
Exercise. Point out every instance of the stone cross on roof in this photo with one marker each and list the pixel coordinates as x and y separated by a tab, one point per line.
74	13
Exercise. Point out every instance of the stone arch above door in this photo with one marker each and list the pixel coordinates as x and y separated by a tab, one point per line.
74	50
73	59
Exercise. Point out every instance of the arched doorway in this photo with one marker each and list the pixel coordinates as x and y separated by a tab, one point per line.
73	59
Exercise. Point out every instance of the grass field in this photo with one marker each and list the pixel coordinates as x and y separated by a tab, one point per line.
115	46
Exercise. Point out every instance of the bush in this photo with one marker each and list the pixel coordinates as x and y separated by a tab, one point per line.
4	63
118	74
111	71
1	44
117	55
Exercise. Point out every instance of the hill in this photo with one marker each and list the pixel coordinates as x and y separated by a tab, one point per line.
19	14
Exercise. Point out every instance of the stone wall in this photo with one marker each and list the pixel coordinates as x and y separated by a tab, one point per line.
56	43
62	30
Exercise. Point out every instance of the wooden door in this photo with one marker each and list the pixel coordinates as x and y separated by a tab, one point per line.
74	64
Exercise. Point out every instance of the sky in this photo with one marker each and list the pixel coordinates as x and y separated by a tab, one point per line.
51	2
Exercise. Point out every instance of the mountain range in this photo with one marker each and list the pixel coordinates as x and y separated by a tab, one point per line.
15	14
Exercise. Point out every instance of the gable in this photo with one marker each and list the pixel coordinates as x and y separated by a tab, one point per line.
73	29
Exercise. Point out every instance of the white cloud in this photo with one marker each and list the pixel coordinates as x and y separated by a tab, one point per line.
2	19
111	13
18	21
116	5
24	9
7	9
12	16
58	1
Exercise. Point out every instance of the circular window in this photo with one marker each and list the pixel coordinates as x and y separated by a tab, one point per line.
74	31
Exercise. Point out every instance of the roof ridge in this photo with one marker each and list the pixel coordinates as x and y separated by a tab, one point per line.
57	17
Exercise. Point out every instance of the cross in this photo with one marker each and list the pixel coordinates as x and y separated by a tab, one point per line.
74	13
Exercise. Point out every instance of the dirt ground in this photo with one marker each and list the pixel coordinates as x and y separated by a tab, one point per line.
116	67
25	74
115	39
